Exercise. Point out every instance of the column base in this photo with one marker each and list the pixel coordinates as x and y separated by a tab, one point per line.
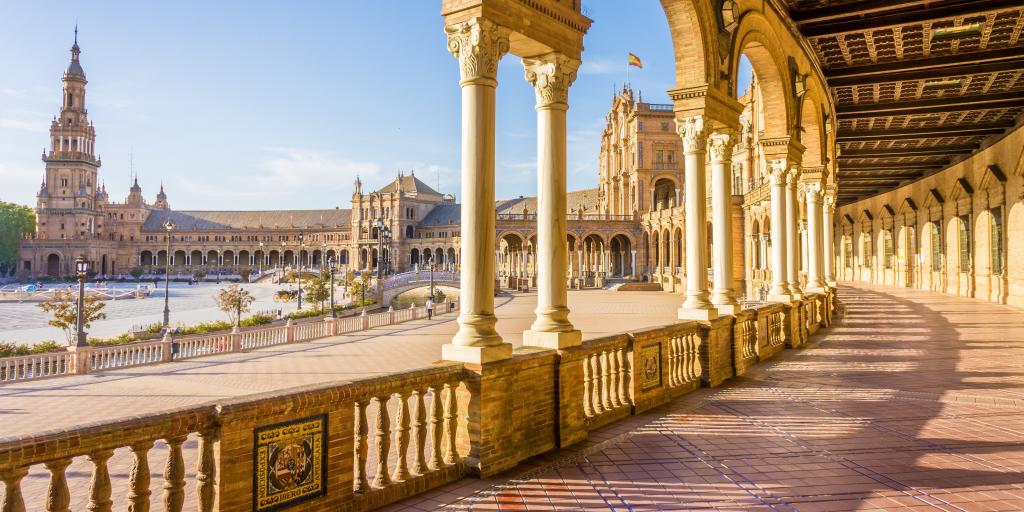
476	355
705	315
553	340
728	309
781	297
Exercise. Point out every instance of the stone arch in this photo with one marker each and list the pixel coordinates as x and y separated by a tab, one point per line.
211	258
179	257
693	27
414	256
811	133
196	257
145	258
756	38
243	257
665	192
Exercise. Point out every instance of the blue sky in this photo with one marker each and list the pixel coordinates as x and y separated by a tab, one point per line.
245	105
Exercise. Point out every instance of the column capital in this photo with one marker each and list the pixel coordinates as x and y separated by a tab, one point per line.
694	132
793	177
479	44
721	143
551	75
779	171
814	192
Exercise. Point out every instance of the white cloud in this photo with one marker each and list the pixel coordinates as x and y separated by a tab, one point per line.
24	125
602	66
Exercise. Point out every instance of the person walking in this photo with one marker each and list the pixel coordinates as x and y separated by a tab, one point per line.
430	308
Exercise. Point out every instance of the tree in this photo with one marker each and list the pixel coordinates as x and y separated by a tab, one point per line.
198	274
16	222
318	289
63	307
136	272
359	286
234	301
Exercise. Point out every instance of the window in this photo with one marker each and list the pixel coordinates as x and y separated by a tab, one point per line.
664	126
887	248
865	250
639	126
63	182
996	233
964	240
935	242
848	252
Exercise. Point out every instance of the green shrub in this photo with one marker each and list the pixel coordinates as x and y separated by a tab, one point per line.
10	349
203	328
306	313
257	319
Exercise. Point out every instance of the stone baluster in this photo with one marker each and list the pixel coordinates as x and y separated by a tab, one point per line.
419	433
620	354
606	382
595	369
206	468
99	486
436	428
57	495
174	475
588	387
401	472
139	479
13	499
382	441
613	379
360	483
451	455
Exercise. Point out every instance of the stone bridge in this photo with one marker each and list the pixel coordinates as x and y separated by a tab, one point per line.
400	283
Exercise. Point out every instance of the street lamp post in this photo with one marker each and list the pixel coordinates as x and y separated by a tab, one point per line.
280	263
302	247
169	226
262	255
431	266
330	268
238	308
82	269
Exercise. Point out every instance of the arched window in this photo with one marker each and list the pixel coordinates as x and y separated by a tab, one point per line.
848	251
935	243
964	241
865	250
887	248
996	234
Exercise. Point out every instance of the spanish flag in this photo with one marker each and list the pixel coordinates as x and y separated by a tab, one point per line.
635	61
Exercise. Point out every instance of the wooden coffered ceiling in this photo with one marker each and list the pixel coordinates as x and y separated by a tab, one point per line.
917	83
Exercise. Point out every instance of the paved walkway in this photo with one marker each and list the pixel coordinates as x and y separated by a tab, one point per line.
914	402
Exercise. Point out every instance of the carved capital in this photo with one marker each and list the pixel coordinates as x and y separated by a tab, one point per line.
478	44
793	177
720	145
779	170
814	192
551	75
694	133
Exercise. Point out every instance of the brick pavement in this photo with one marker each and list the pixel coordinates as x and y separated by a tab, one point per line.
914	402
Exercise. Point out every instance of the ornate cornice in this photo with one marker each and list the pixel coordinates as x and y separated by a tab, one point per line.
694	133
478	44
551	76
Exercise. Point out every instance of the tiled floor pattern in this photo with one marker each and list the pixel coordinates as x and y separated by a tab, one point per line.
913	402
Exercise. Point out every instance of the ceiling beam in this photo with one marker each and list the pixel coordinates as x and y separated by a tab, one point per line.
845	176
932	106
991	61
923	166
923	132
905	152
833	12
860	22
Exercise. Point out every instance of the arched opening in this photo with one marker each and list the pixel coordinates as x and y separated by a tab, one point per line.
408	232
664	194
621	252
414	257
145	258
196	258
53	265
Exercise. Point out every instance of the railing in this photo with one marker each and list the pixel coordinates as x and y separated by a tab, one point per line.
54	364
36	366
124	356
606	370
411	446
189	348
744	337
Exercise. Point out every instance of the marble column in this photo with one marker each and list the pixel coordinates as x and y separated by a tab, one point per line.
551	75
697	305
478	44
792	235
632	265
815	277
828	211
723	295
780	291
